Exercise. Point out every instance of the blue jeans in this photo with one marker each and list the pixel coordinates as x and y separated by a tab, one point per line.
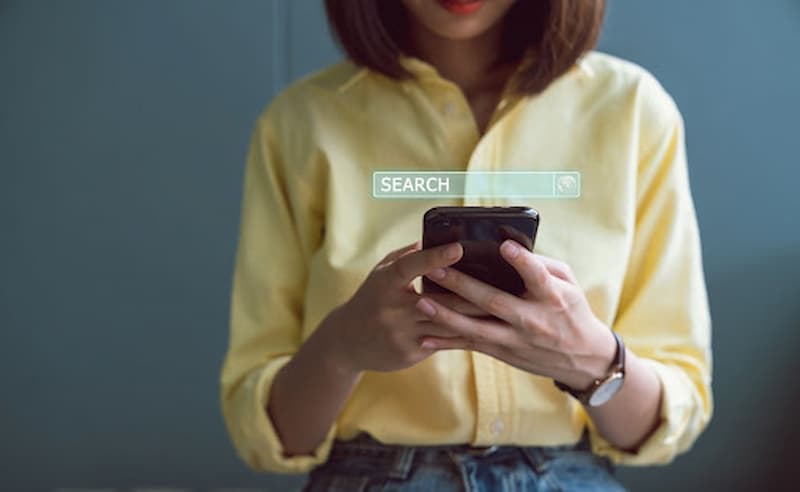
365	465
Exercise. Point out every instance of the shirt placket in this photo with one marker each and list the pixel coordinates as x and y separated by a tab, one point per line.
490	375
491	378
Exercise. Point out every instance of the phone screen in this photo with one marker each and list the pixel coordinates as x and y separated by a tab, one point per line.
481	231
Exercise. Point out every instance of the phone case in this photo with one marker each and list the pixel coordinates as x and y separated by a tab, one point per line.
481	231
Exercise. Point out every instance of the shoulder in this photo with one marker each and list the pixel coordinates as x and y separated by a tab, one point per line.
633	87
625	77
316	89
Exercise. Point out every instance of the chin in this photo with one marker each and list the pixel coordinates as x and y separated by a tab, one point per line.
459	31
457	27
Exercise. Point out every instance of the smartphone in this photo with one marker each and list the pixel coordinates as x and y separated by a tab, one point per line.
481	231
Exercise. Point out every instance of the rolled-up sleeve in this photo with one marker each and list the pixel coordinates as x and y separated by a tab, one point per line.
277	233
663	314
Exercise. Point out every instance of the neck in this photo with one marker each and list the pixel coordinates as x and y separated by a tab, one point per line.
469	63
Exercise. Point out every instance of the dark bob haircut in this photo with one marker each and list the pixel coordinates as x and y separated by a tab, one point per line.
555	33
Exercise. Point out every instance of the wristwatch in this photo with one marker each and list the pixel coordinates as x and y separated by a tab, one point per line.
601	390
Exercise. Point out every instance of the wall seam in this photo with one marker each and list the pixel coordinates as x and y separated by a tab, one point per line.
280	62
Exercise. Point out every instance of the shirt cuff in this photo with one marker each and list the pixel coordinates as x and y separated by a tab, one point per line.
259	445
683	416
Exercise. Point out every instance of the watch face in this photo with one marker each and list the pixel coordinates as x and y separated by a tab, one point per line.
605	391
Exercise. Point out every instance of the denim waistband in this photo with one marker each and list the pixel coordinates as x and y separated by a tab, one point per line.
366	454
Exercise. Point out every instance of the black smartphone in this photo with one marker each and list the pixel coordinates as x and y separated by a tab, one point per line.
481	231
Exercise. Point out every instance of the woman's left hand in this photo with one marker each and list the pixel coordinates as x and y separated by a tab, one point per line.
550	330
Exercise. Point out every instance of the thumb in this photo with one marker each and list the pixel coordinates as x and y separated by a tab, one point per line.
399	253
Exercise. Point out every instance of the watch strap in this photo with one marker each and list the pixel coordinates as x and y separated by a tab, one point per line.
617	366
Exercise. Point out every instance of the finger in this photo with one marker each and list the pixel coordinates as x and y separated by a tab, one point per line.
418	316
446	343
458	303
558	268
494	301
480	332
407	268
427	328
532	270
399	253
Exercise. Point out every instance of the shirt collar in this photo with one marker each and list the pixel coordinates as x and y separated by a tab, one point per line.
416	66
424	70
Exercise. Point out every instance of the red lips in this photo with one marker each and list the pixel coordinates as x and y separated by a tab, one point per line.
461	7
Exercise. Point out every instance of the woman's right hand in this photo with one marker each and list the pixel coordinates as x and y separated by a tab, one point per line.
379	328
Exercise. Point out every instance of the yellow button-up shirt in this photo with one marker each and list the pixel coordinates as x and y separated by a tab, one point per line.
311	230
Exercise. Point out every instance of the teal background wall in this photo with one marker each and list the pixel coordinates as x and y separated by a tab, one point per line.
123	131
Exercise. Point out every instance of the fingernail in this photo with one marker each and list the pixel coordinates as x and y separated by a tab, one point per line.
426	307
510	249
428	344
453	251
437	274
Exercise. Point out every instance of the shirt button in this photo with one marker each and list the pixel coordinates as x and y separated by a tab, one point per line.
497	426
449	108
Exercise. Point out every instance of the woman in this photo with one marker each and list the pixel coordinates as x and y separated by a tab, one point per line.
338	365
